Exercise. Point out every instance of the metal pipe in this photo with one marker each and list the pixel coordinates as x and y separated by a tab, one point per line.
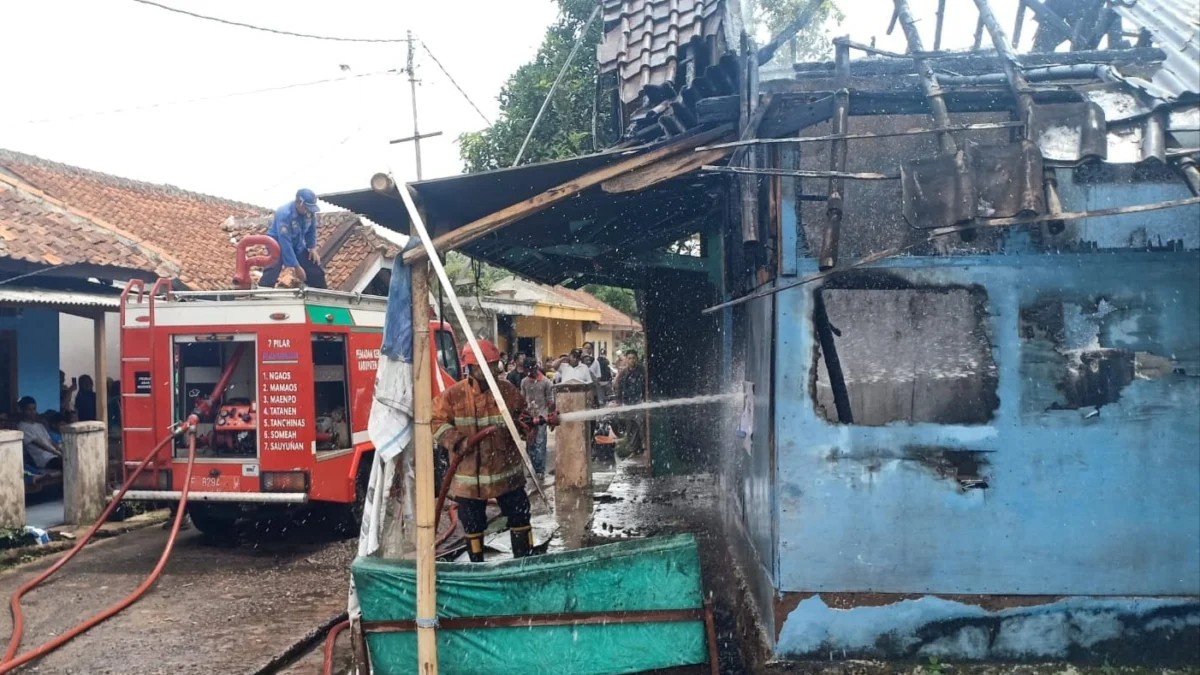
929	81
800	173
837	158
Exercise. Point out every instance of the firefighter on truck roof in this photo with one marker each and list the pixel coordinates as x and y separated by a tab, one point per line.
491	468
295	228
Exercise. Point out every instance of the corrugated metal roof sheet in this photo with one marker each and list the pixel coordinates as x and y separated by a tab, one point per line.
1174	25
642	38
16	295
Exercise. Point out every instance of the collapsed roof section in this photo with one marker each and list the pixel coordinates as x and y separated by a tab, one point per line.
668	57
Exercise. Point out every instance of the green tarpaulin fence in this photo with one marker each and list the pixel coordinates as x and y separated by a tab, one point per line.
660	573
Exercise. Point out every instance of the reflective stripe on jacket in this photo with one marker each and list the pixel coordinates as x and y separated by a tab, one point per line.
494	466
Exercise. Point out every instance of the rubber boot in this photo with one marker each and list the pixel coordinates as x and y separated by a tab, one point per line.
522	541
475	547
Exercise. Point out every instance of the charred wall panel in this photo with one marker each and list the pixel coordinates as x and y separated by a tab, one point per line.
1083	482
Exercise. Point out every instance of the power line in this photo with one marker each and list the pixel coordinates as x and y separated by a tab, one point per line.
166	104
267	30
460	89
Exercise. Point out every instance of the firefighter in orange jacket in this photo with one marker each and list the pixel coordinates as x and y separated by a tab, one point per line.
492	468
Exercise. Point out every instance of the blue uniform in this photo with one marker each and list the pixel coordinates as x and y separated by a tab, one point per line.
296	233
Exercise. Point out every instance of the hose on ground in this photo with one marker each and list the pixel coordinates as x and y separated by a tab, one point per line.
330	639
11	661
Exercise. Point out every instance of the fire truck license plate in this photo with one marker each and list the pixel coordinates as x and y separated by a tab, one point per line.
217	484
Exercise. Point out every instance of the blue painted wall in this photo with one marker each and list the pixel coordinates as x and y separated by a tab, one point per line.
1078	503
37	354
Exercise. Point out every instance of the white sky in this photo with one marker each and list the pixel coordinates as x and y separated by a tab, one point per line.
72	61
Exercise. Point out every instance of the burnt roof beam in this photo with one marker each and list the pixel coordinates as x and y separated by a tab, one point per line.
969	63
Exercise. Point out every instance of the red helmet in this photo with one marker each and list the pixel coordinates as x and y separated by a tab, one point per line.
490	353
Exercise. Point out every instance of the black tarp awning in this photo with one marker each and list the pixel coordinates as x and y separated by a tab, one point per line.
591	237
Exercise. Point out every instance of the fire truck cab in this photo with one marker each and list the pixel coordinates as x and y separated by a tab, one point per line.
290	426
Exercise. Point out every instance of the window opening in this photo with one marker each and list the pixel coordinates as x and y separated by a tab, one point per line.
446	355
330	392
904	355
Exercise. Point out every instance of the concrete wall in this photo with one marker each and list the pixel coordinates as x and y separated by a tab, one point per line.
76	350
1083	483
557	336
37	354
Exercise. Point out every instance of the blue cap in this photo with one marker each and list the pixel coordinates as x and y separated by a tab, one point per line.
309	198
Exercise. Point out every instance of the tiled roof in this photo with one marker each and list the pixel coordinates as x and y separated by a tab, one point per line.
611	317
642	38
355	255
187	224
198	230
36	229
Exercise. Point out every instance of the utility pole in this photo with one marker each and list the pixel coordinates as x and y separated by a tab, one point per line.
417	135
412	82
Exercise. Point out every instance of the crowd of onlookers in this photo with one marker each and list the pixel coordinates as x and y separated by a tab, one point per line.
612	384
42	430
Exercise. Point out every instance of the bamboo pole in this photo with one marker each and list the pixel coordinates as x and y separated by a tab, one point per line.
929	81
423	447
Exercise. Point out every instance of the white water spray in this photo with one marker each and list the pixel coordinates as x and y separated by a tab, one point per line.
581	415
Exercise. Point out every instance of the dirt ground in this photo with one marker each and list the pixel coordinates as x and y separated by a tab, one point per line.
217	608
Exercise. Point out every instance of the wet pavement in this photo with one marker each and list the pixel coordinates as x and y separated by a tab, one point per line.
216	609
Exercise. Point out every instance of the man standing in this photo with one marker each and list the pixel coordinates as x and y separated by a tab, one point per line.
517	374
573	369
539	396
492	467
631	388
295	228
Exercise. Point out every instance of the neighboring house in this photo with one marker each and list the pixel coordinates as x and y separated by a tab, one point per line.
539	320
58	263
199	231
614	326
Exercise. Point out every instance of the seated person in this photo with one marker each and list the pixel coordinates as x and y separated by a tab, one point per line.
38	445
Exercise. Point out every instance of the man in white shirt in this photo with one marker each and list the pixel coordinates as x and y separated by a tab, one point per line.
38	445
573	370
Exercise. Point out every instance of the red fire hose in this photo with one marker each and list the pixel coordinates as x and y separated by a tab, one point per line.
11	661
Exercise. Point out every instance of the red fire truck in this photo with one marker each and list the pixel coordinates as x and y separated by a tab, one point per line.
290	424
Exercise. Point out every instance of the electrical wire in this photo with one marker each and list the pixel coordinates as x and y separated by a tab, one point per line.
166	104
288	33
451	78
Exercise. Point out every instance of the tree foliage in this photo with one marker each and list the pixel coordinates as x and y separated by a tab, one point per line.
620	299
566	128
813	43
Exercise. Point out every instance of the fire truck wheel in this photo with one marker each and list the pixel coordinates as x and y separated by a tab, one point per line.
212	522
